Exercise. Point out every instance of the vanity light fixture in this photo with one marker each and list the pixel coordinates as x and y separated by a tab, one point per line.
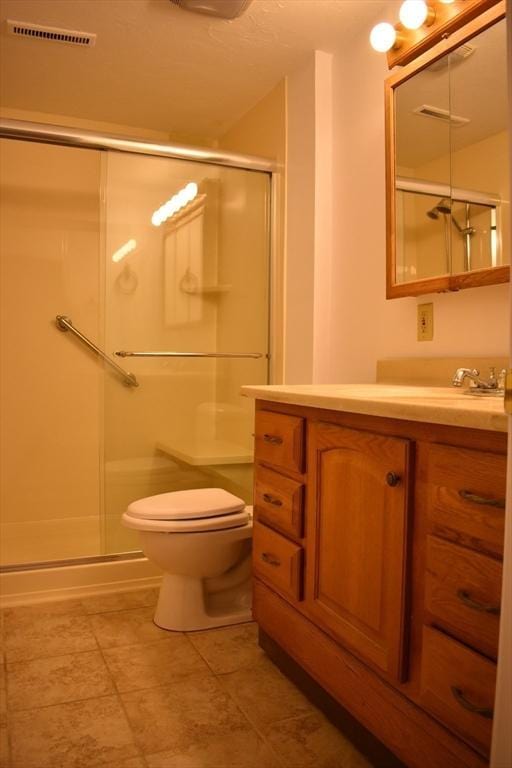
175	204
414	14
419	22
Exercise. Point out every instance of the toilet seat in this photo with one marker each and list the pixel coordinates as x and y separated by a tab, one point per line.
196	510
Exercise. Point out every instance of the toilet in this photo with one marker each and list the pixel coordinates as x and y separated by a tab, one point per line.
201	539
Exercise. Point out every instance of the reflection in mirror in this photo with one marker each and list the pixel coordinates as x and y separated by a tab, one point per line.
479	148
451	162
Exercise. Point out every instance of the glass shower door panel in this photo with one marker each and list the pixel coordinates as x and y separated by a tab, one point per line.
51	386
187	271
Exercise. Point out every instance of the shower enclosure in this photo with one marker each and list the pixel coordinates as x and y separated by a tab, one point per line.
108	247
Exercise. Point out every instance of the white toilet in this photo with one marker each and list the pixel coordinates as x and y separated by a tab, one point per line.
201	539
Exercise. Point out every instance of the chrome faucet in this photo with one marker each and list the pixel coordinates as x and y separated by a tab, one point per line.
492	384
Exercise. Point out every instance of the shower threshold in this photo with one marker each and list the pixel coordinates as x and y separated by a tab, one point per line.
74	561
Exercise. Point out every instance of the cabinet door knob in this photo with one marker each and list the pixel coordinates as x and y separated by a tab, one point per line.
272	500
458	695
273	439
392	479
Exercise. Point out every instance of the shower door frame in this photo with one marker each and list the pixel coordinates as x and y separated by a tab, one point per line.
42	133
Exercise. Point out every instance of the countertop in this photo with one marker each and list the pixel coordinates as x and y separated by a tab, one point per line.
435	405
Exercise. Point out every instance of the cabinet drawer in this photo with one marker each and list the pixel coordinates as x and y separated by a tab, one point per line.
457	686
278	501
466	496
277	561
280	440
462	593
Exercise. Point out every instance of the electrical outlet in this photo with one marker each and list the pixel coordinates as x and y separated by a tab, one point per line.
425	322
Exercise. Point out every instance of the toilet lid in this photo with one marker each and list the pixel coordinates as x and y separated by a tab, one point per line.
201	525
186	505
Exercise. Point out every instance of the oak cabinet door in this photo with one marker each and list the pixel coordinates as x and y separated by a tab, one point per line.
356	556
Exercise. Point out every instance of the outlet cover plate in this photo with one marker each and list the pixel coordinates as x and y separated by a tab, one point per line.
425	322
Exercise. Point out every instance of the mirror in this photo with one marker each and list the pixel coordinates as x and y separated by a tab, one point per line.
447	164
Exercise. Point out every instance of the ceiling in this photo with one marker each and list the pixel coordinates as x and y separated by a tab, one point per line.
157	66
474	88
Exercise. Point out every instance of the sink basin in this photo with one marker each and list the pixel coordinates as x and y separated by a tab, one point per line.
474	392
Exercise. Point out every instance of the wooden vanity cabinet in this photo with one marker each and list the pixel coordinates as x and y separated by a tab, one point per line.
377	564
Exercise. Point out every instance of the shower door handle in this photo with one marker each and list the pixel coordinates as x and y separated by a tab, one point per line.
252	355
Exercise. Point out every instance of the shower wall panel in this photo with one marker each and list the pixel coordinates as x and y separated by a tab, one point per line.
51	388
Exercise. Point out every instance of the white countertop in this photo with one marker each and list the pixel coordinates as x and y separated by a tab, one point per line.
435	405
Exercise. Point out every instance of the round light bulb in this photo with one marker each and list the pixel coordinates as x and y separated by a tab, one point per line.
413	13
382	37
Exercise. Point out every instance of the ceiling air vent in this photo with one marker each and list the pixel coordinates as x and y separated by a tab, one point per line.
426	110
54	34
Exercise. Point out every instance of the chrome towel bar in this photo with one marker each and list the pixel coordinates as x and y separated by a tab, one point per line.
64	323
254	355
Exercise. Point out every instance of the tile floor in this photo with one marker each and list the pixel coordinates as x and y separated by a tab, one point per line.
94	682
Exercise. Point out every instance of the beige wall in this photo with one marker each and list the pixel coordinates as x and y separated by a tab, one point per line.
299	281
72	121
262	131
51	396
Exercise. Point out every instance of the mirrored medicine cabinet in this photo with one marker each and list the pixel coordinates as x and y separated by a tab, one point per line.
447	164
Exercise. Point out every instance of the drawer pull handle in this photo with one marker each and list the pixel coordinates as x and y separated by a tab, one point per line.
466	598
267	557
272	500
459	697
273	439
468	496
392	479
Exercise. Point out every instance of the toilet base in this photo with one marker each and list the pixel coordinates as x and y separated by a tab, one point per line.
184	605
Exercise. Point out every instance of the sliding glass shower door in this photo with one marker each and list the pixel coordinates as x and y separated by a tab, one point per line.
141	255
187	261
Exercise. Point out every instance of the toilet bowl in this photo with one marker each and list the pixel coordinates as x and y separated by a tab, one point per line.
201	539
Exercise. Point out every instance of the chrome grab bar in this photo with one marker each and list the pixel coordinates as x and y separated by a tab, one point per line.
64	323
254	355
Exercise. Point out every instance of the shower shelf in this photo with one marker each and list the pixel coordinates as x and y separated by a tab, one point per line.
206	453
